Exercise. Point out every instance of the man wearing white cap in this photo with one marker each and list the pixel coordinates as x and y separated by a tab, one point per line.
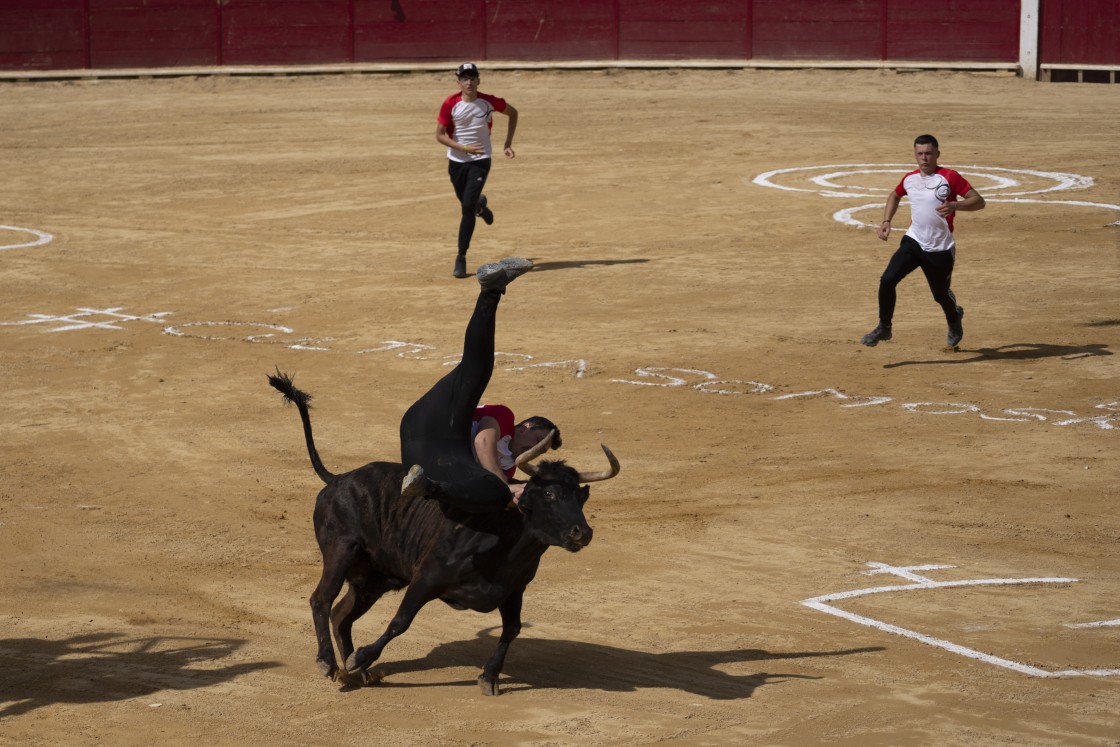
463	125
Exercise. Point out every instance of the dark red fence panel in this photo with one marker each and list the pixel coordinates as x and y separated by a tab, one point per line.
43	34
153	33
287	32
672	30
1082	32
549	30
419	30
962	30
817	29
57	34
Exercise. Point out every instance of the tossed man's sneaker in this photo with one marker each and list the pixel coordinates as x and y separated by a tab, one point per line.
415	484
484	212
872	338
460	270
497	275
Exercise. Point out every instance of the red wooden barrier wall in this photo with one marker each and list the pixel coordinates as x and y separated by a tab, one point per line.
659	30
60	34
430	30
153	33
1081	32
44	34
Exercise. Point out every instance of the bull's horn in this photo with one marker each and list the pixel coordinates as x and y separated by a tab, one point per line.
605	474
523	460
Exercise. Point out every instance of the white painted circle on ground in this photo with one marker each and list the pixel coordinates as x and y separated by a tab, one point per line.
996	183
995	179
41	237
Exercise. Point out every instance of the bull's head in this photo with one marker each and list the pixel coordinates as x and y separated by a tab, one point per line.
553	499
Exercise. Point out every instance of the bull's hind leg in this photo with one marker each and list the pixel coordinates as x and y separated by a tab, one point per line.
414	600
363	594
511	628
336	562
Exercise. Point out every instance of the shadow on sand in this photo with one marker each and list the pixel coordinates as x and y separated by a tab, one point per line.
104	667
1017	351
543	664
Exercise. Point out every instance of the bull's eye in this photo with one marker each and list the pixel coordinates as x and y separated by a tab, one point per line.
549	494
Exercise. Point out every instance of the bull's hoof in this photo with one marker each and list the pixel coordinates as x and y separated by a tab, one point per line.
356	675
488	686
327	668
352	662
359	678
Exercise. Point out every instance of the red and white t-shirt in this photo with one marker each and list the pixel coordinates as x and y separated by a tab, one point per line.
506	426
932	232
469	123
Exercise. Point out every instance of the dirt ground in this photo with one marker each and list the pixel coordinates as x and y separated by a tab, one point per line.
169	242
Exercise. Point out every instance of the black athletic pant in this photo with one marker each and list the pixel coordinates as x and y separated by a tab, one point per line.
468	179
436	431
938	269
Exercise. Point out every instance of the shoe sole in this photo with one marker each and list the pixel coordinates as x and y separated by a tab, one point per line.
516	265
508	269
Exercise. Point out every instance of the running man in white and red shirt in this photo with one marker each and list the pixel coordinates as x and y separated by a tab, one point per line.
463	125
933	192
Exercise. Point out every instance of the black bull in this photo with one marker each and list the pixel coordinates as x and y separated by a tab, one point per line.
378	541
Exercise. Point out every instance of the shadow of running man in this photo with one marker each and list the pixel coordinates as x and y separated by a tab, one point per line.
543	664
103	667
1017	351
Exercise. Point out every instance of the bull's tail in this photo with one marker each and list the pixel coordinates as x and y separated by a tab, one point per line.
283	383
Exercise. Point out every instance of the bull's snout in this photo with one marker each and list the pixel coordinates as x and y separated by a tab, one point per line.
580	536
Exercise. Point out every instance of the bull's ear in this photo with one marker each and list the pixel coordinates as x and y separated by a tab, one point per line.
584	494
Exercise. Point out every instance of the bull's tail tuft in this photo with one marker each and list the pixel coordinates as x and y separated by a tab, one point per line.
283	383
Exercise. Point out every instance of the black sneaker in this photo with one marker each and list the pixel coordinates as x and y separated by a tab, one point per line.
484	212
460	270
415	484
956	330
497	275
872	338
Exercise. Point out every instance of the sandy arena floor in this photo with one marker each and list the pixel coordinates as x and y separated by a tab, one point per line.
166	243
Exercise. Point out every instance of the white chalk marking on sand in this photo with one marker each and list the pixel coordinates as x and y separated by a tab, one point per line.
405	349
845	216
832	189
85	318
42	237
1098	624
1061	181
656	376
579	365
304	343
822	604
837	394
999	182
708	380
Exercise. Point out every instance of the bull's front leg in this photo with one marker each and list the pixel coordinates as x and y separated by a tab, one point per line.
358	662
511	628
